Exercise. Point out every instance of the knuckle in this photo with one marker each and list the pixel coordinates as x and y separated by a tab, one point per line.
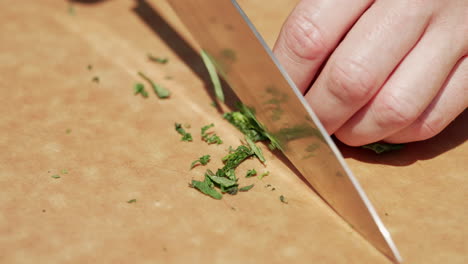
303	37
394	113
350	81
431	127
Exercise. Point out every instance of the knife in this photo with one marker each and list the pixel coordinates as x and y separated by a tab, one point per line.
247	64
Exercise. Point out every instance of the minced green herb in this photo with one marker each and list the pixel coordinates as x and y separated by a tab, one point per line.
263	175
203	160
139	88
90	67
283	199
160	91
210	66
68	131
56	176
381	147
251	173
206	187
210	137
132	201
246	188
158	59
96	79
258	151
185	136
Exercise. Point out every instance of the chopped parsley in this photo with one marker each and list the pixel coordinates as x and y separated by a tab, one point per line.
263	175
68	131
55	176
210	66
158	59
132	201
381	147
96	79
258	151
210	137
160	91
283	199
246	188
203	160
139	88
90	67
185	136
251	173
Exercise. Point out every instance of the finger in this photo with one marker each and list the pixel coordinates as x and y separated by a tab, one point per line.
407	93
451	101
365	59
311	32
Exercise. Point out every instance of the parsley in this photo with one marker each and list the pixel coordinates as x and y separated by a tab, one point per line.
68	131
56	176
283	199
96	79
246	188
210	137
251	173
90	67
258	151
185	136
139	88
383	147
203	160
158	59
263	175
206	187
132	201
210	66
160	91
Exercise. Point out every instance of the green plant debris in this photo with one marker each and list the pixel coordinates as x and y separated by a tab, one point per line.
185	136
64	171
90	67
283	199
203	160
55	176
206	187
139	88
381	147
258	151
210	66
214	104
210	137
159	60
132	201
251	173
266	173
160	91
96	79
68	131
246	188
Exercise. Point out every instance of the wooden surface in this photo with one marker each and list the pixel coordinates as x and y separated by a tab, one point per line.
120	147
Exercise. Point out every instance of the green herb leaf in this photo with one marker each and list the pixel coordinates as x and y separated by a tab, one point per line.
381	147
222	181
203	160
210	137
263	175
258	152
158	59
206	188
210	66
246	188
160	91
68	131
185	136
56	176
96	79
132	201
90	67
139	88
283	199
251	173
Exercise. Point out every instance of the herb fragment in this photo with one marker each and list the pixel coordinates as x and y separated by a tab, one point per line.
160	91
90	67
185	136
210	66
210	137
258	151
158	59
206	187
283	199
68	131
96	79
139	88
246	188
56	176
263	175
203	160
132	201
64	171
381	147
251	173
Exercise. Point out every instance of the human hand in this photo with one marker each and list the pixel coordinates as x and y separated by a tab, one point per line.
399	74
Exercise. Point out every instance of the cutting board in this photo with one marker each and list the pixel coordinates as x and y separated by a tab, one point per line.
67	108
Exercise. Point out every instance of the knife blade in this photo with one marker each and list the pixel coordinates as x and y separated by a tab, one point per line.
247	64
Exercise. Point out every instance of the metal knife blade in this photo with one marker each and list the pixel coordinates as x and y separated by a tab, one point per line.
249	67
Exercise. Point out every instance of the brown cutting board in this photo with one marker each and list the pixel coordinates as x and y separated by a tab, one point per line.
109	146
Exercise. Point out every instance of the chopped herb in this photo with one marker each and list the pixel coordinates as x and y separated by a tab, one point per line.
203	160
210	66
268	185
158	59
246	188
258	151
210	137
64	171
381	147
185	136
273	188
221	180
68	131
90	67
206	187
139	88
160	91
214	104
283	199
56	176
95	79
263	175
251	173
131	201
